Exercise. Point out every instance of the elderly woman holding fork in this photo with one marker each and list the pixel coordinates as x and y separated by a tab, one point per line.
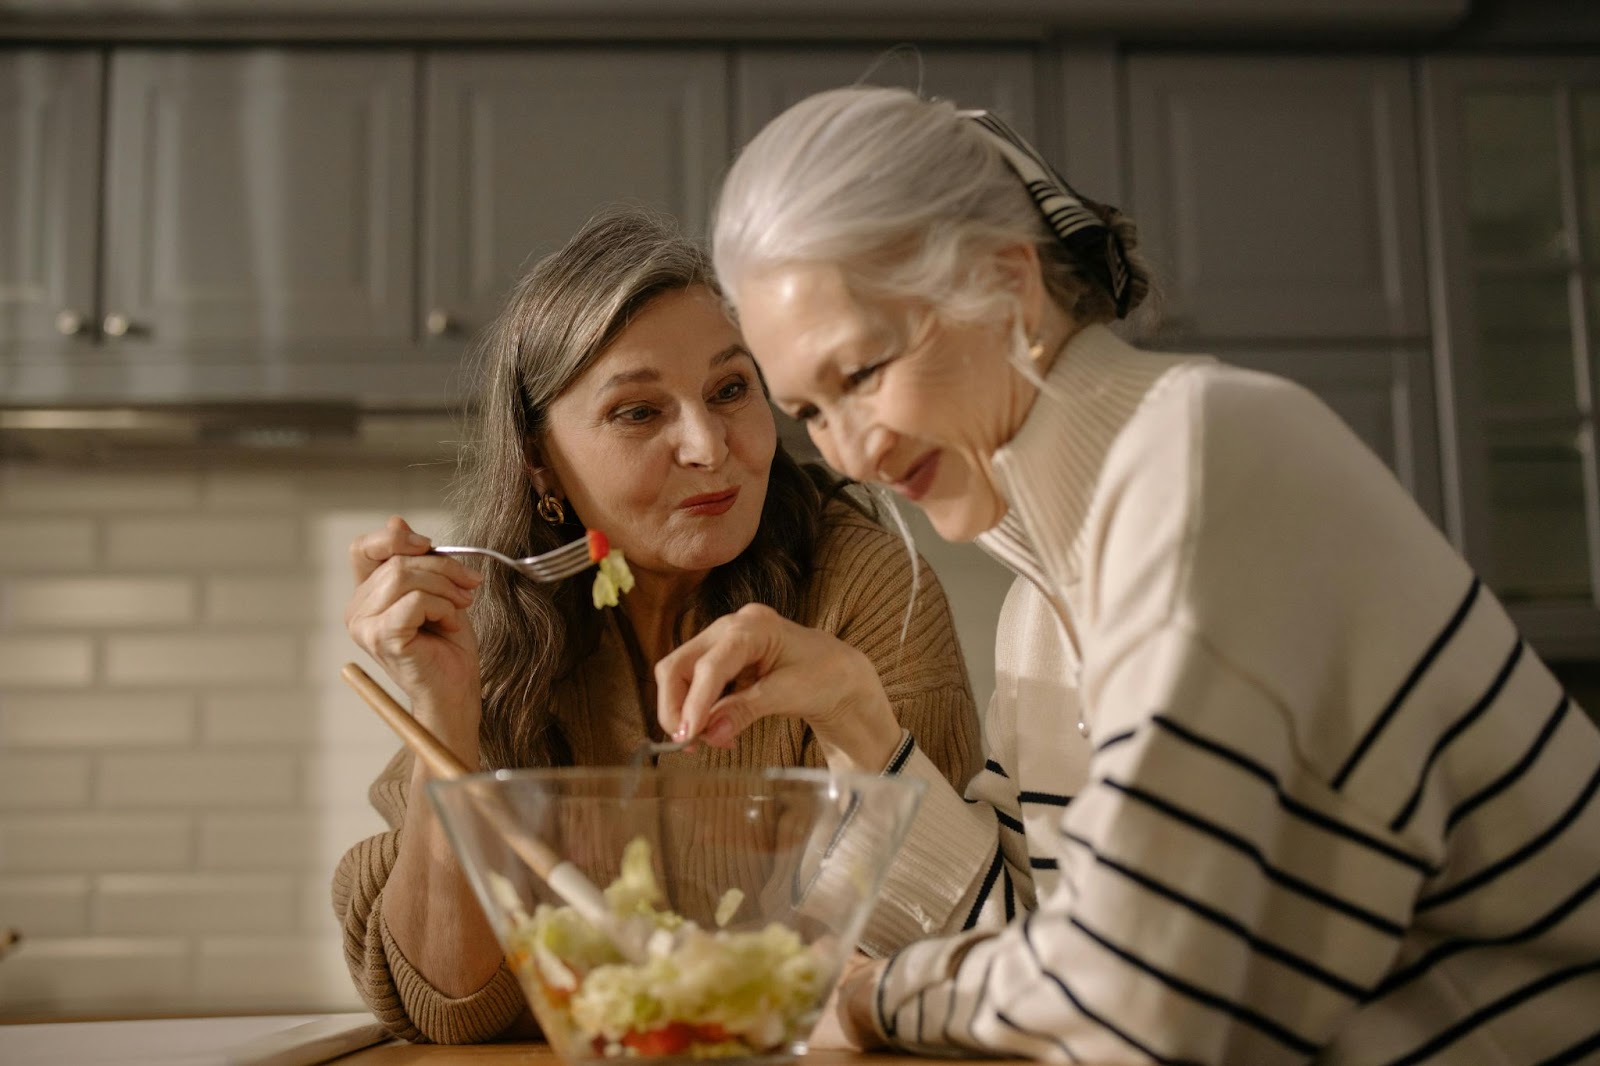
618	397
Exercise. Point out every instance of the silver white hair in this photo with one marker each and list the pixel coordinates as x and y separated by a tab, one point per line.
903	195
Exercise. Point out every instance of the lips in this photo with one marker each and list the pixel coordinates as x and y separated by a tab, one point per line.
710	503
918	478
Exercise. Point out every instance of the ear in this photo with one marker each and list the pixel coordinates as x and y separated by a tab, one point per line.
543	477
1019	272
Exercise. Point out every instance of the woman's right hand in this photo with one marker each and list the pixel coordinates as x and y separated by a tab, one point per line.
754	663
409	612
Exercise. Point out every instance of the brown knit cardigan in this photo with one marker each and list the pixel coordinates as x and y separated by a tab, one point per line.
859	592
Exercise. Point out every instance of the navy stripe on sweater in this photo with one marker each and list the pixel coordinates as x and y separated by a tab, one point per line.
1445	1037
1257	944
1407	685
1455	947
1103	1022
1291	805
1516	858
1576	1053
1044	1038
1289	881
1510	777
983	892
1253	1018
1459	726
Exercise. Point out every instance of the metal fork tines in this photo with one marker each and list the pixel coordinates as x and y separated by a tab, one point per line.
551	566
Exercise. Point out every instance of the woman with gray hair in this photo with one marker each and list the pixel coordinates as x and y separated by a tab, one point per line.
617	396
1333	808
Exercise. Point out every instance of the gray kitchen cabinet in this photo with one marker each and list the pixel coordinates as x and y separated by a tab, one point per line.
1000	78
49	203
1279	197
523	146
1513	176
259	202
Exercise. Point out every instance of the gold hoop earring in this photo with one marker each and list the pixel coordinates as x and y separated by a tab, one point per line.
551	511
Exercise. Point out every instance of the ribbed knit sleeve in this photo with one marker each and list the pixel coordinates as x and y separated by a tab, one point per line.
863	593
399	996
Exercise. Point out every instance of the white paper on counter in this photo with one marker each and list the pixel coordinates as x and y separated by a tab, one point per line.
171	1042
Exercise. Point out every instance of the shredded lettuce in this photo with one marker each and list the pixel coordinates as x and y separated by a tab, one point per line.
707	993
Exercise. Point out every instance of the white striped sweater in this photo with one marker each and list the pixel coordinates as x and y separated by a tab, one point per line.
1336	810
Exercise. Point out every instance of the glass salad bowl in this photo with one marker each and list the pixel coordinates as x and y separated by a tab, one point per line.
731	899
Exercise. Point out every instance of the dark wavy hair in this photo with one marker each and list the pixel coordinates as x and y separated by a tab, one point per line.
556	321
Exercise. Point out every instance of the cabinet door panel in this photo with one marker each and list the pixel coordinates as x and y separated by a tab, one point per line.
49	200
1000	79
260	200
1279	198
523	147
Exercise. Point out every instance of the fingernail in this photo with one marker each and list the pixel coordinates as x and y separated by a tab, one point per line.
718	732
418	540
680	732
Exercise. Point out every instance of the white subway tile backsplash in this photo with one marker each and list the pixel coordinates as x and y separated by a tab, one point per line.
180	766
142	904
37	782
197	780
92	843
95	975
316	907
354	488
338	779
261	600
46	662
325	718
45	906
193	543
288	973
30	487
310	841
40	545
270	716
201	659
250	490
58	602
96	720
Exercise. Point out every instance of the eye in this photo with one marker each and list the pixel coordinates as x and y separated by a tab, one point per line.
856	378
633	416
807	415
732	391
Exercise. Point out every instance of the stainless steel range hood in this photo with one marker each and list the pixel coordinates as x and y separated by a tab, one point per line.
287	431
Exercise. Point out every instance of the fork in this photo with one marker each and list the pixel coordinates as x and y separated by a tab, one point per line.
548	567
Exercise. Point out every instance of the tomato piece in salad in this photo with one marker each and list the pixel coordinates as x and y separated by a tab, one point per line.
599	545
674	1038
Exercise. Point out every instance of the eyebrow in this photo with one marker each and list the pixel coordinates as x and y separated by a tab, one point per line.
650	373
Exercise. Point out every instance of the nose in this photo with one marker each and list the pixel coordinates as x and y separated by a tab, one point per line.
702	439
854	445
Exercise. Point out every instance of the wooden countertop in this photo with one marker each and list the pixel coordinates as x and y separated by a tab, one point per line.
541	1055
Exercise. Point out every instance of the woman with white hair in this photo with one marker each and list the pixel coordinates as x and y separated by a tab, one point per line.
1334	808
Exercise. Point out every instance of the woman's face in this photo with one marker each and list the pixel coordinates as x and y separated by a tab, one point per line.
921	414
665	442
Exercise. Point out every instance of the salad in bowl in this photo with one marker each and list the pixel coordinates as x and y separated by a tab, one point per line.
752	889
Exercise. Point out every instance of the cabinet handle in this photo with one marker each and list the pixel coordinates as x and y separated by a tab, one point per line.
70	324
116	325
439	322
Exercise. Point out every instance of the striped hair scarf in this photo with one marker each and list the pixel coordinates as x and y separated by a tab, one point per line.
1088	239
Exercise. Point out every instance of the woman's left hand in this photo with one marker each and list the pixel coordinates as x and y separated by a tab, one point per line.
755	663
846	1023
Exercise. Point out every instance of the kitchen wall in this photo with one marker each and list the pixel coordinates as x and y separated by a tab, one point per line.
180	767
